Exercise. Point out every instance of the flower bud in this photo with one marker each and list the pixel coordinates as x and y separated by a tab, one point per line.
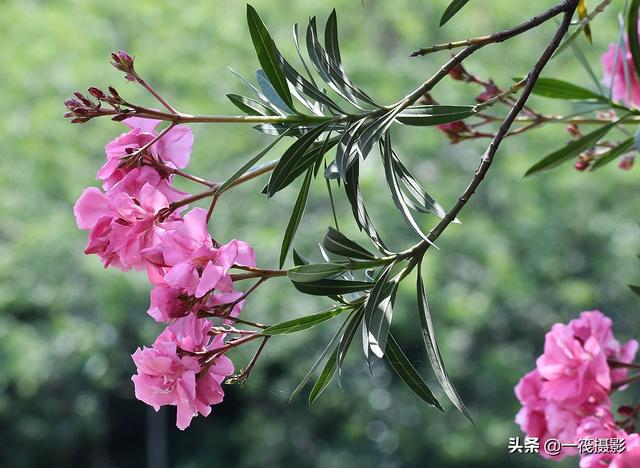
96	93
581	165
123	61
626	163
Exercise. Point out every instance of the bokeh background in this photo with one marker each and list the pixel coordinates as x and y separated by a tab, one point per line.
529	252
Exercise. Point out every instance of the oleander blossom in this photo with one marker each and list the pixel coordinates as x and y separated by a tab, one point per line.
169	374
122	226
624	84
172	150
567	395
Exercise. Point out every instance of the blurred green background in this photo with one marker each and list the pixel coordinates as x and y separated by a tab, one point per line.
530	252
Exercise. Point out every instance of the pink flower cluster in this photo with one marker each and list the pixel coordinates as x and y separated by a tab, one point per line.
567	396
132	225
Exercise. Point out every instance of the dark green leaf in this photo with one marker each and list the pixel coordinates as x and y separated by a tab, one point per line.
428	334
454	7
326	375
303	323
271	94
336	242
350	331
316	271
329	287
299	259
378	310
613	153
632	34
423	116
409	375
396	194
249	106
558	89
249	164
635	289
289	167
571	150
265	49
329	347
296	216
352	189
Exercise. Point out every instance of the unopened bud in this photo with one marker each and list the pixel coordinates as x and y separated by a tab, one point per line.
96	93
122	61
458	73
581	165
83	99
626	162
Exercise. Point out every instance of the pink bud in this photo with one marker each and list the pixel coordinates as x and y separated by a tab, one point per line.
581	165
626	163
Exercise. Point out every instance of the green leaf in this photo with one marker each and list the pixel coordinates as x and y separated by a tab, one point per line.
350	331
632	34
316	271
336	242
296	216
558	89
352	189
409	375
303	323
249	164
271	94
299	259
265	50
428	334
249	106
329	287
571	150
613	153
454	7
326	375
378	310
330	346
635	289
289	167
424	116
386	153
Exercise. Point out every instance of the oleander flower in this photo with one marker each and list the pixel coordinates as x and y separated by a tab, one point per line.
173	149
121	227
169	373
630	458
599	425
624	84
197	265
575	371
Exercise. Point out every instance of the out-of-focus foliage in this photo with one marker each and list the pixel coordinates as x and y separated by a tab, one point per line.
529	252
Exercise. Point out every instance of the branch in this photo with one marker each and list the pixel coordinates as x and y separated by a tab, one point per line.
497	36
487	159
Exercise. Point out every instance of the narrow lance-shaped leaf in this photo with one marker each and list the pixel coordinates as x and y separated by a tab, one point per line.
409	375
316	271
582	14
571	150
303	323
296	216
632	33
559	89
325	377
265	50
345	341
332	287
635	289
248	165
454	7
378	310
249	106
424	116
336	242
272	94
428	334
330	346
392	182
613	153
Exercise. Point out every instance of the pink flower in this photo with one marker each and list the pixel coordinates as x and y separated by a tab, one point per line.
167	375
630	458
121	226
599	425
173	149
197	265
614	62
595	324
575	372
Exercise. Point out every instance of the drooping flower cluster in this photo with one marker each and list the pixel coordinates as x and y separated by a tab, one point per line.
133	224
567	396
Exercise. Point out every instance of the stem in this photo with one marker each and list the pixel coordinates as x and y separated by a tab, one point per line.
256	273
630	365
498	36
487	159
622	383
244	375
155	94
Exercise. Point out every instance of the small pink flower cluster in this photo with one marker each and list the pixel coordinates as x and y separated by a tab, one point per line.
567	396
132	226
